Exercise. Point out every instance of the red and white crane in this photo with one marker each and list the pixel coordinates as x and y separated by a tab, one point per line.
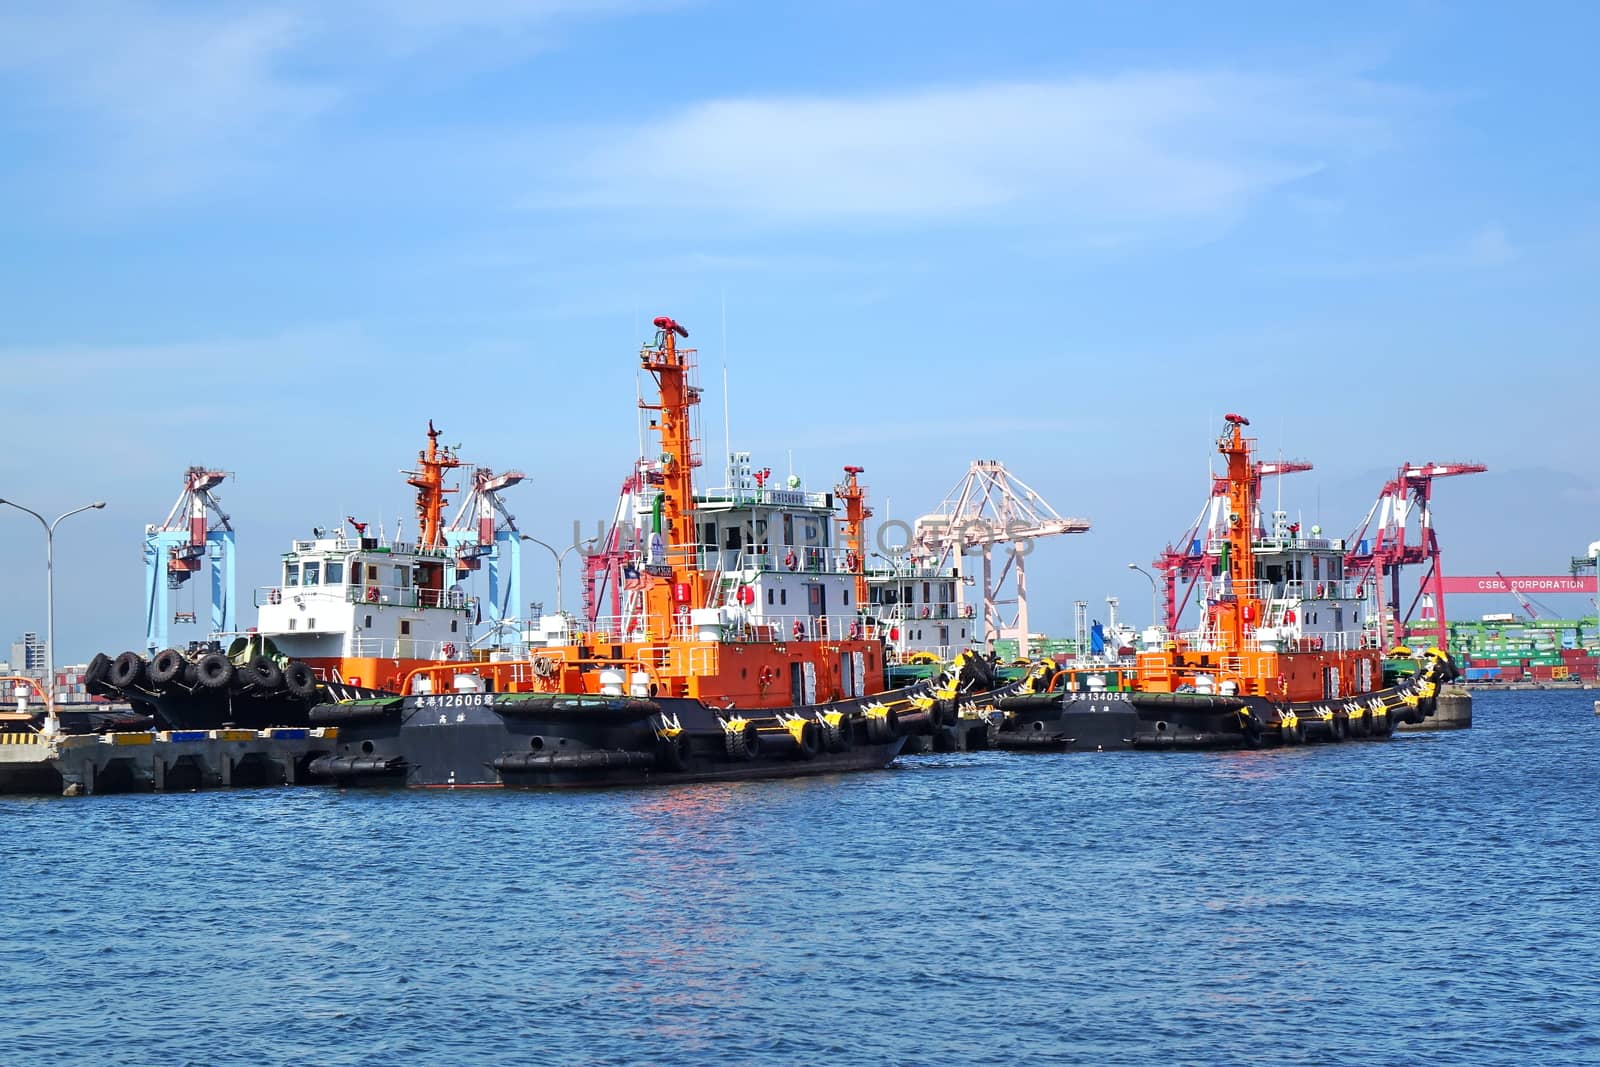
1383	545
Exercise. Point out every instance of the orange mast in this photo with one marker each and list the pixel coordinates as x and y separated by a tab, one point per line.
1240	602
431	490
856	513
671	367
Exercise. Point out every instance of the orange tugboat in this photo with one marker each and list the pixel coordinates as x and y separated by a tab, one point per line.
733	645
1282	653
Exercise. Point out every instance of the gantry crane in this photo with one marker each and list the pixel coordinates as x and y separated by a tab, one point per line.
1189	562
991	507
175	550
1373	554
485	530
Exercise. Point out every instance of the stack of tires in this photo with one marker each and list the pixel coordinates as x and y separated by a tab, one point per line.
173	672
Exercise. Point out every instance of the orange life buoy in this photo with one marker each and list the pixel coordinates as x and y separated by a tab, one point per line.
275	597
927	613
746	595
372	594
1249	611
799	629
789	560
851	562
449	650
1289	616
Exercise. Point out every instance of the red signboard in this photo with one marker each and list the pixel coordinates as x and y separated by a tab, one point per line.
1522	583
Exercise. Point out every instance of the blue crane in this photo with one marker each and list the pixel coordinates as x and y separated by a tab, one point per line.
175	551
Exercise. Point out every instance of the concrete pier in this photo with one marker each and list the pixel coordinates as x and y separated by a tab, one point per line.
81	764
1454	712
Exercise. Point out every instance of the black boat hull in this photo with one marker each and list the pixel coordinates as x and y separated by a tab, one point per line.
477	740
1109	721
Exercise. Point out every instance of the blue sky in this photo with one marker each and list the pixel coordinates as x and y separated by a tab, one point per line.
279	238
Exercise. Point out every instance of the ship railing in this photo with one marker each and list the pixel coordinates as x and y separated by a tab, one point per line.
777	629
409	597
810	560
407	648
927	612
296	594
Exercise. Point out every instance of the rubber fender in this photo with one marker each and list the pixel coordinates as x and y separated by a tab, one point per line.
594	759
743	744
299	681
213	671
94	679
672	753
809	743
357	766
883	729
127	671
1029	702
350	714
837	738
166	666
268	674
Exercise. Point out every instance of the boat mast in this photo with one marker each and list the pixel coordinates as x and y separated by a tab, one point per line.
672	369
429	482
856	513
1240	603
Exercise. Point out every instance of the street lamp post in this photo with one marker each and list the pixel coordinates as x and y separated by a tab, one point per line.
560	558
1155	597
51	726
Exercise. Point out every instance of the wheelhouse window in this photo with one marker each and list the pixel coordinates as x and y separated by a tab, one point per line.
291	574
335	572
311	574
402	577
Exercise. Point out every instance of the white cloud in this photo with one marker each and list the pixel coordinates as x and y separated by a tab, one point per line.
1099	151
161	98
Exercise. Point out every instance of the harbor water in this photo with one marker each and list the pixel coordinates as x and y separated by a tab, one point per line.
1429	899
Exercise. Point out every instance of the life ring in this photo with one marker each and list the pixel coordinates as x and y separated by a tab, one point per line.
851	562
275	597
927	613
1320	590
371	596
766	677
799	630
746	595
789	560
543	666
855	631
1249	611
1288	616
449	650
968	611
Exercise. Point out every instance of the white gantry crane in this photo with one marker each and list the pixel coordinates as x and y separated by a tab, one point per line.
992	508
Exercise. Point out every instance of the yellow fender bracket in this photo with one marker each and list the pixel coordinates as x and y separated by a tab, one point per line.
876	711
796	727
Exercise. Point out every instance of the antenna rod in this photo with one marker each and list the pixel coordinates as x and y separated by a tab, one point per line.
727	428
